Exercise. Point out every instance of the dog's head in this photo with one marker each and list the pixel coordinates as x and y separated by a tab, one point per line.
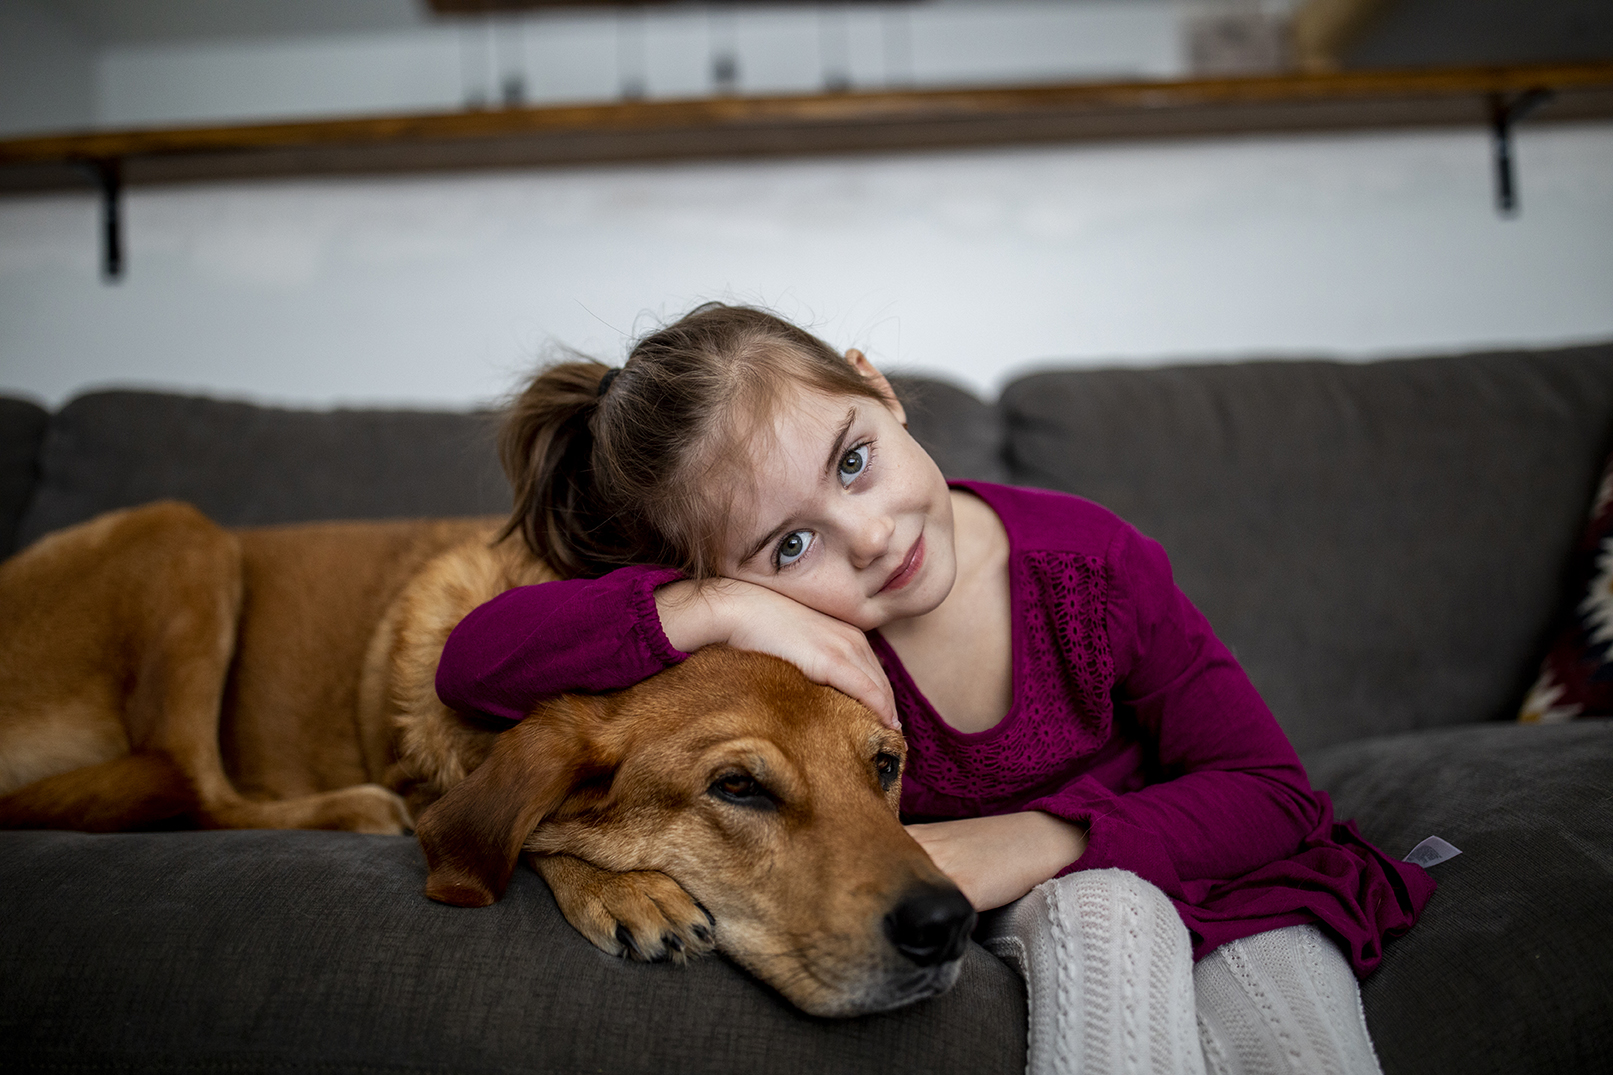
771	800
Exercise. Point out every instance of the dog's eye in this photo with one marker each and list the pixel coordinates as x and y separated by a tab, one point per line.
740	789
889	767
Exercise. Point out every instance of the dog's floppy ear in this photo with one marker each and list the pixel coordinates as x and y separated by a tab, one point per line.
472	836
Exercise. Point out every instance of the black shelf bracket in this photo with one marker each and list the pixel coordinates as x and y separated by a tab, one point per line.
107	175
1504	112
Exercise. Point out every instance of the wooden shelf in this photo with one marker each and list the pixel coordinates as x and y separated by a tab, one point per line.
737	127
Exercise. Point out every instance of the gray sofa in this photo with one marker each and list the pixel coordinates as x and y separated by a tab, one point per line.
1382	545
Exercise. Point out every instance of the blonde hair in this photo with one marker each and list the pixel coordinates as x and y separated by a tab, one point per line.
628	468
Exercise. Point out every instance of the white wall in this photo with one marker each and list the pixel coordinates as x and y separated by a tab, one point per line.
440	290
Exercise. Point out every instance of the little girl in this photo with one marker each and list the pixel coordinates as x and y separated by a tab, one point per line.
1070	716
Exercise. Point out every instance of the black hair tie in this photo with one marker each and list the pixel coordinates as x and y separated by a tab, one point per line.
604	382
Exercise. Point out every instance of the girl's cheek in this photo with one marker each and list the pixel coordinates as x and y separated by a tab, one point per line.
822	586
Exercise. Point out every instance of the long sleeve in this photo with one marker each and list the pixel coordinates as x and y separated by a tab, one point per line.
573	635
1228	794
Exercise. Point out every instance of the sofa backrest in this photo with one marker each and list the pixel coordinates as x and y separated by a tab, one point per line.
245	465
1381	544
963	435
22	428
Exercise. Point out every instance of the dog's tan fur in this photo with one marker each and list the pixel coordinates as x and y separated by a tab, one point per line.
155	668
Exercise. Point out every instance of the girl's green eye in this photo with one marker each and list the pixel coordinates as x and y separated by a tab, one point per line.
793	547
853	463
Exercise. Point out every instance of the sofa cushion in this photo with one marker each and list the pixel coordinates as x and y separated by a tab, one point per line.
22	427
1510	969
247	465
310	951
1381	544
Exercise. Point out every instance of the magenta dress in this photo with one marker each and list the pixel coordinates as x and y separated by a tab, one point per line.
1130	718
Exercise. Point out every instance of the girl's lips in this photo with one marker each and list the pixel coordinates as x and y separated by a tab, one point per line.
910	567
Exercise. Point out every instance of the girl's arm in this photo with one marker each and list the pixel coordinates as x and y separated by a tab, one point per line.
612	632
573	635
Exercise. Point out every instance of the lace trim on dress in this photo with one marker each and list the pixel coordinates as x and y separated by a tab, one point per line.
1063	674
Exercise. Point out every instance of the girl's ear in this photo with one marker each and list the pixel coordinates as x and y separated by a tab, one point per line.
866	370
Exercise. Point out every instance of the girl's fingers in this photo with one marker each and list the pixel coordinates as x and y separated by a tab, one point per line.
872	687
876	695
855	674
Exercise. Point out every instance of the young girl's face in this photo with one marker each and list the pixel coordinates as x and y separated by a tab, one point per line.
844	512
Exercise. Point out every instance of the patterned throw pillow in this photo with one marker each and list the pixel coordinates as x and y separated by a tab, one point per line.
1576	678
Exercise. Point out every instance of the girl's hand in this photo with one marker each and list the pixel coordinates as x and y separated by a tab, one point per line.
747	616
996	860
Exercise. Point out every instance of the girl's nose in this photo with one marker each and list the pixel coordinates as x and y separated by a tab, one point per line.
870	538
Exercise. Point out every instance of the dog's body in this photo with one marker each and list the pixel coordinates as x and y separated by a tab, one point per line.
155	667
238	656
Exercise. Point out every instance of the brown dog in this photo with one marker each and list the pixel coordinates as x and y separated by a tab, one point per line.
155	667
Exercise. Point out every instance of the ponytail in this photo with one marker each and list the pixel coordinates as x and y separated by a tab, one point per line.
547	448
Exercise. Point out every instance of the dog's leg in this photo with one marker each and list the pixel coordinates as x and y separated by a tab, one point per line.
125	793
642	915
362	808
112	669
193	598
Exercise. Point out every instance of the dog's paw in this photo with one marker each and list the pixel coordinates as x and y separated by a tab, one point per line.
373	809
643	915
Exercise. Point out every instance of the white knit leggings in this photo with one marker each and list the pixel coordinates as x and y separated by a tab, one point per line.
1112	989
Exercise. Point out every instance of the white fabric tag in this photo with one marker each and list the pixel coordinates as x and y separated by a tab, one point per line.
1431	852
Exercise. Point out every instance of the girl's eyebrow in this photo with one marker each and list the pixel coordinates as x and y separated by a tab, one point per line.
840	441
828	468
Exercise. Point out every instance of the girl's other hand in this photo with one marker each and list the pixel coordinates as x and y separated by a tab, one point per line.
996	860
747	616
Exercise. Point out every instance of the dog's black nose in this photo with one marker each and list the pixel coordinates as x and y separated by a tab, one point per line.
931	925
